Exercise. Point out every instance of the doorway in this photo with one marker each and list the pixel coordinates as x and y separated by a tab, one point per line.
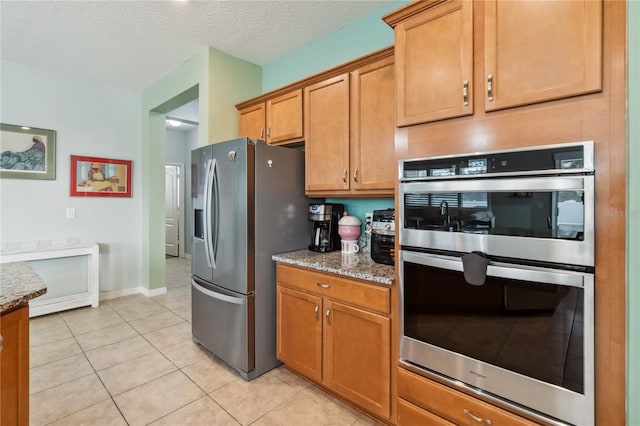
181	136
173	210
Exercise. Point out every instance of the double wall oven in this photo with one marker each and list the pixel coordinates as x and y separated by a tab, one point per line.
497	277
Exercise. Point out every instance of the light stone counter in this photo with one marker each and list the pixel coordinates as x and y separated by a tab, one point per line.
18	284
359	266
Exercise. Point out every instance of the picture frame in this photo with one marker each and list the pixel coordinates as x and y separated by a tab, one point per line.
100	177
27	152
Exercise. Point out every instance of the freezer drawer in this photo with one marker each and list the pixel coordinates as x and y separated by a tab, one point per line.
223	322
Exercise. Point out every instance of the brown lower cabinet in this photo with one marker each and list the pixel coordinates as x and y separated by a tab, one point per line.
14	367
336	332
424	402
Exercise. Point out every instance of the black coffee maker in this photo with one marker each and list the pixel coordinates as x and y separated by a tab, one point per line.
324	230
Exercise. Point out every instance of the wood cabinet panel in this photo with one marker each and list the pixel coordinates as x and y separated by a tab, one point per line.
351	291
537	51
284	118
251	122
344	348
326	130
299	331
452	405
357	356
434	63
411	415
373	127
14	367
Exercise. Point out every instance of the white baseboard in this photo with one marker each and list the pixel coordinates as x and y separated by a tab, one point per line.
114	294
153	292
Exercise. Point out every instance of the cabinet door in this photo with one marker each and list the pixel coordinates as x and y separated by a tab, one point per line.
541	50
14	368
327	134
251	122
284	117
434	64
357	356
373	127
299	332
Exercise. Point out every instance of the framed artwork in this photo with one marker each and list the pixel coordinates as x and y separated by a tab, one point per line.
100	177
27	152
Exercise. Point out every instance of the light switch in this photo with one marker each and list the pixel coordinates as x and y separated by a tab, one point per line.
71	213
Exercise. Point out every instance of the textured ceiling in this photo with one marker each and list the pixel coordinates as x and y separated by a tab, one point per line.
132	44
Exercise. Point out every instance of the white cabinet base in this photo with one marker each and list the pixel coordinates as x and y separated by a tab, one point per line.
88	298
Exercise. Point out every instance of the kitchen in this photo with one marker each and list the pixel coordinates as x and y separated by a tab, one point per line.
126	252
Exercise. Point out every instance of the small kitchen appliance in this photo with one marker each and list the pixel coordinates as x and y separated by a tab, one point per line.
349	231
324	229
383	238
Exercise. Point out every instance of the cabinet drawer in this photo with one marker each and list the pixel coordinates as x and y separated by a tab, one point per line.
410	415
451	404
351	291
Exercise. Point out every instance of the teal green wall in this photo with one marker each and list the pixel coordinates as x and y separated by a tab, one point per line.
357	39
353	41
218	81
633	216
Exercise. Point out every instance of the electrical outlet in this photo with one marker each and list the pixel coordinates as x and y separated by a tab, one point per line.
71	212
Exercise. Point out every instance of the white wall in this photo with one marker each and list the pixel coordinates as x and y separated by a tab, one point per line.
90	119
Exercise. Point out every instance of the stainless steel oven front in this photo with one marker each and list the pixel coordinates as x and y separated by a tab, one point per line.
535	204
523	340
521	334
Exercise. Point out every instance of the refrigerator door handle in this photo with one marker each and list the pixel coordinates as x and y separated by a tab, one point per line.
208	185
219	296
215	206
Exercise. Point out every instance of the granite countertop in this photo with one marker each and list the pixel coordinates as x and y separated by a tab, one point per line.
18	284
359	265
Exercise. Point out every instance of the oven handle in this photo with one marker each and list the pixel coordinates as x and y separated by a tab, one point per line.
535	184
500	270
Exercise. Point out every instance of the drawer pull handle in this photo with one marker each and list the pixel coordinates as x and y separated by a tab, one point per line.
323	285
328	316
316	311
476	418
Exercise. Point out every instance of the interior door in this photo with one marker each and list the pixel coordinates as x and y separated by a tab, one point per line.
172	209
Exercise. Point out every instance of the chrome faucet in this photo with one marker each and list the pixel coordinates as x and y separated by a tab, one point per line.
444	212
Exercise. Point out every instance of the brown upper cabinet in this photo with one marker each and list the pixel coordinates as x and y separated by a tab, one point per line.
434	63
326	124
533	52
349	132
251	121
277	121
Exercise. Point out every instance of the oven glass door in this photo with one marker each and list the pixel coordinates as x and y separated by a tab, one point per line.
523	319
529	207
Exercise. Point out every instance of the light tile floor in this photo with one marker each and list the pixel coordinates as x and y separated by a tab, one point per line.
132	361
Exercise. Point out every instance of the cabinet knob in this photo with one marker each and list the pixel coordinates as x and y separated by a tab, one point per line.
328	315
490	87
344	176
355	175
315	311
1	342
269	132
323	285
262	133
465	93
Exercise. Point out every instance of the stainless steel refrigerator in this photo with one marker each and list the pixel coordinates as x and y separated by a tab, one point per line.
248	204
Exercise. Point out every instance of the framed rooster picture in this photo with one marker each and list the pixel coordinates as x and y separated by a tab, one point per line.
100	177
